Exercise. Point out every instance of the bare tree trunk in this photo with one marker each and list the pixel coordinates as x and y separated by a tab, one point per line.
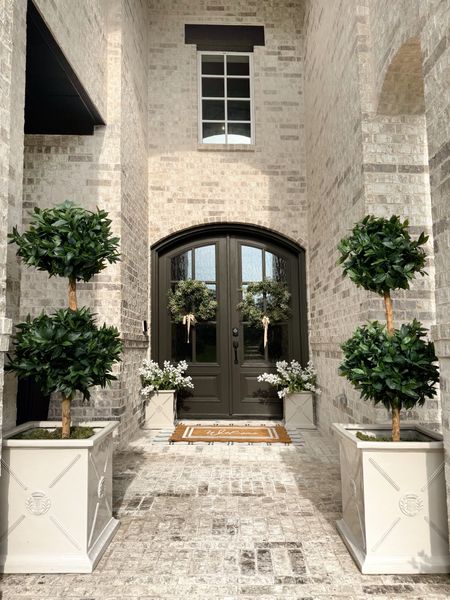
395	424
65	405
390	329
389	313
73	294
66	402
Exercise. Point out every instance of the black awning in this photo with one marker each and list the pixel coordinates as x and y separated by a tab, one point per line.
55	100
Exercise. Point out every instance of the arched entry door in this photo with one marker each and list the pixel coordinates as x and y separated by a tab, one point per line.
226	355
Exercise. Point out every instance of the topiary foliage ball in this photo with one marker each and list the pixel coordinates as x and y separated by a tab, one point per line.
400	371
380	255
65	352
68	241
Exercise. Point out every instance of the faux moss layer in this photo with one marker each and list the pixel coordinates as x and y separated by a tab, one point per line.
39	433
364	437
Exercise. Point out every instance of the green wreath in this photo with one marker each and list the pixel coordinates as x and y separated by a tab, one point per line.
265	302
191	301
265	299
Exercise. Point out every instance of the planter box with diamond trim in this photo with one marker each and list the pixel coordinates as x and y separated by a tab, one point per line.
394	500
56	501
160	410
299	410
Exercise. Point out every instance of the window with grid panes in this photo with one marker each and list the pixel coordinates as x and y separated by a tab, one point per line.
225	98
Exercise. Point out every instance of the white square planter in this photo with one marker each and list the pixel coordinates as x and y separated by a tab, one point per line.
56	501
160	410
298	410
394	501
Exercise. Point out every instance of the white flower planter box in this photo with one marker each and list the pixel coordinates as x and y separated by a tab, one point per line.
160	410
394	501
298	410
56	501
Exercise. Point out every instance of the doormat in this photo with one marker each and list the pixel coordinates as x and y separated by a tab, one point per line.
231	433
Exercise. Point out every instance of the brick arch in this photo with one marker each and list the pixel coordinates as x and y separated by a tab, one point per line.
202	223
402	92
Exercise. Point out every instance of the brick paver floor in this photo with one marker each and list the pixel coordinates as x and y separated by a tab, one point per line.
226	522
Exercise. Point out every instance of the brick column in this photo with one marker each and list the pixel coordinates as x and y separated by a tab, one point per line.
12	99
435	41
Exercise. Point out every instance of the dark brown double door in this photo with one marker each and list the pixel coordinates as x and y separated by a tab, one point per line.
225	356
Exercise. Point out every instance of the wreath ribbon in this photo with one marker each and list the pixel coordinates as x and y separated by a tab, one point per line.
189	320
265	321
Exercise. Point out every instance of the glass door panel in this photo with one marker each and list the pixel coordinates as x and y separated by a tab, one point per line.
196	263
259	264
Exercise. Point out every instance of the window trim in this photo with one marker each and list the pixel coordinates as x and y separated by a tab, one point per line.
225	98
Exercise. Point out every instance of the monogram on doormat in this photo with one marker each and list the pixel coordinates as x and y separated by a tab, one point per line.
230	433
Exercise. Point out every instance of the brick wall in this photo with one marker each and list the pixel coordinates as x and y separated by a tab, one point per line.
391	25
407	127
191	185
12	48
109	170
73	28
396	171
435	43
6	21
356	99
6	18
333	139
134	208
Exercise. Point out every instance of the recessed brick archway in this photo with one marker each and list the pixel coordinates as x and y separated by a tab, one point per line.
403	89
226	354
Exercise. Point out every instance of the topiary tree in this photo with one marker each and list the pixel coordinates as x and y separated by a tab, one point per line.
66	352
68	241
395	367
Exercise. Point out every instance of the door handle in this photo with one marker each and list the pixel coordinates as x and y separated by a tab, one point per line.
236	346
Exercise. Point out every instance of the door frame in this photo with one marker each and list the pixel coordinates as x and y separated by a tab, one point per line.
194	234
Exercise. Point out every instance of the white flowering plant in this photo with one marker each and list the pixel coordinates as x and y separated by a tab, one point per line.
169	377
292	378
